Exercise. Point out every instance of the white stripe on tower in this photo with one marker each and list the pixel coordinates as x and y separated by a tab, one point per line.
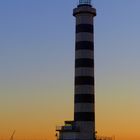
84	54
84	71
84	113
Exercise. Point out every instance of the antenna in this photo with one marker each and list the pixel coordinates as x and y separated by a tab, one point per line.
12	136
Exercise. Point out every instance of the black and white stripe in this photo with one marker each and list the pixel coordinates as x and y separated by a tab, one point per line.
84	113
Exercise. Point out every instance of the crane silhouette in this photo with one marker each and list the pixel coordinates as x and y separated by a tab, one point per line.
12	136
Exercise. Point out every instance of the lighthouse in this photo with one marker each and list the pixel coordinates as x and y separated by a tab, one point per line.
84	104
83	125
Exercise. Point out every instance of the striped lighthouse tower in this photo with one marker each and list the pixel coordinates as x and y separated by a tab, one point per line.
83	125
84	103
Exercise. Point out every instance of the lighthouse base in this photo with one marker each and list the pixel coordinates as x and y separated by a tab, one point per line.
70	131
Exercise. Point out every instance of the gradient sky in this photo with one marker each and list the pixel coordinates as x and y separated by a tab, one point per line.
37	67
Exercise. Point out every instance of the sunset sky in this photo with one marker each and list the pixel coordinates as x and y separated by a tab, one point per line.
37	67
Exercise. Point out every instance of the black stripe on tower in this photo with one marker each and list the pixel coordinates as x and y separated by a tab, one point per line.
84	62
84	80
84	98
84	28
84	116
84	45
83	12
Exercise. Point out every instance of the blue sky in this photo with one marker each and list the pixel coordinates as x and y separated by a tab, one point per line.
37	65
